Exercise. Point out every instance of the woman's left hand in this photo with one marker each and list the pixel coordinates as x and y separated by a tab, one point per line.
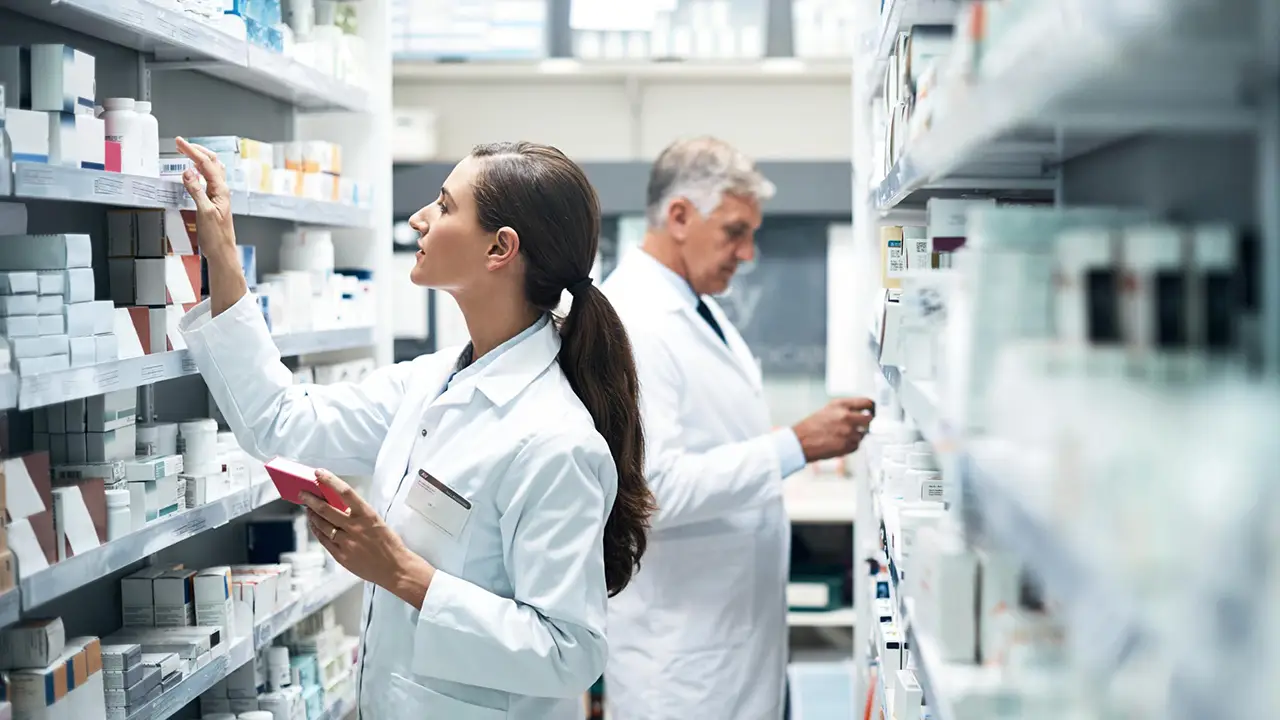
363	543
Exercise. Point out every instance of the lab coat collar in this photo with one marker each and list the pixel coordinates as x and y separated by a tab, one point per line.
671	293
511	371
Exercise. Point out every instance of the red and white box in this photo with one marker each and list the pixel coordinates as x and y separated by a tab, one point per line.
149	330
29	510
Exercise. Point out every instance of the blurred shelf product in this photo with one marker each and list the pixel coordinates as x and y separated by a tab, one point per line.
817	499
1035	523
765	70
469	29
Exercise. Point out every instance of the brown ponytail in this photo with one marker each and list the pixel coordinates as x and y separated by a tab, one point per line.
546	198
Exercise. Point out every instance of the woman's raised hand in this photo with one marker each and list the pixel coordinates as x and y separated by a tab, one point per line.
215	228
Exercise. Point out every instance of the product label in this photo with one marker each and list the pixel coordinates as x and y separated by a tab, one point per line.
175	615
139	616
896	262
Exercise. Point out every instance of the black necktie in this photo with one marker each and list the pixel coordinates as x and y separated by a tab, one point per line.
705	312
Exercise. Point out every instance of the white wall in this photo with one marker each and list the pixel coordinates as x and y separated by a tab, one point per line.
776	118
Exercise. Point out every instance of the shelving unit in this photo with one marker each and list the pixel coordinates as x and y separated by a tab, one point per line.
201	81
180	42
1168	107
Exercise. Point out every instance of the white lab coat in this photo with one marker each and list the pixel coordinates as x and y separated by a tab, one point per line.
513	625
700	633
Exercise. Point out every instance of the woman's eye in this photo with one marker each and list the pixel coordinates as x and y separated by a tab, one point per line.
440	204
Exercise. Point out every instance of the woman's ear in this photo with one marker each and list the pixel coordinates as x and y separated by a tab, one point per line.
504	248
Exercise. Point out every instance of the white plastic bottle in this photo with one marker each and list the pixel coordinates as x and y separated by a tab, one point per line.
119	519
149	131
123	126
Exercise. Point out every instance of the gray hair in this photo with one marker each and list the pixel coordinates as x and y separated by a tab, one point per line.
701	171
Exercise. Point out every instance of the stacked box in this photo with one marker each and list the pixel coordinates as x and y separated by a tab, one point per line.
155	277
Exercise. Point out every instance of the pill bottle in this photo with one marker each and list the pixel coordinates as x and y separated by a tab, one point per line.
123	126
149	134
119	520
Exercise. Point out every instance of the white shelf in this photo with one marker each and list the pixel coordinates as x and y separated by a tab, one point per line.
37	181
810	499
75	572
1100	66
841	618
919	399
63	385
176	36
574	70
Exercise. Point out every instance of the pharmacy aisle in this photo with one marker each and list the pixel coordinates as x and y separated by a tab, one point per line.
148	568
1068	226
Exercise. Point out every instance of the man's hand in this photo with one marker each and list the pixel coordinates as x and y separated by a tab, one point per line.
835	430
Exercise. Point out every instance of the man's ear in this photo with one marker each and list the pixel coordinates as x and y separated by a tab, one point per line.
680	214
503	248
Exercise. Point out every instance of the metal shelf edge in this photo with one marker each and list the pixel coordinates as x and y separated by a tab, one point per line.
40	181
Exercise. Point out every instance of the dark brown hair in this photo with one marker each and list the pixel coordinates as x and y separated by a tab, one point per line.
546	198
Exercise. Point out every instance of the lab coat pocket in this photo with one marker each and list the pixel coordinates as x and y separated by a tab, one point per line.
413	700
706	597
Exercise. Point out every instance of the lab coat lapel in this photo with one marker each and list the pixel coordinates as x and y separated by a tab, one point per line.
736	345
666	298
708	336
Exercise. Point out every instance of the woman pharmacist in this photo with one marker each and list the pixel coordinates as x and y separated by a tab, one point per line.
508	497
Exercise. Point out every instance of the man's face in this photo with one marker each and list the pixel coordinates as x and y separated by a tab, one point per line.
714	245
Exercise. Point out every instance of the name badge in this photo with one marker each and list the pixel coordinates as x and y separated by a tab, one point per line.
439	505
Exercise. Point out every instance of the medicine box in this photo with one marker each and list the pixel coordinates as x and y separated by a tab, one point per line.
123	679
149	234
80	517
87	319
64	143
155	467
62	79
189	643
166	663
111	445
111	411
150	500
69	688
32	643
213	599
118	658
45	252
28	135
19	282
91	133
173	593
136	598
